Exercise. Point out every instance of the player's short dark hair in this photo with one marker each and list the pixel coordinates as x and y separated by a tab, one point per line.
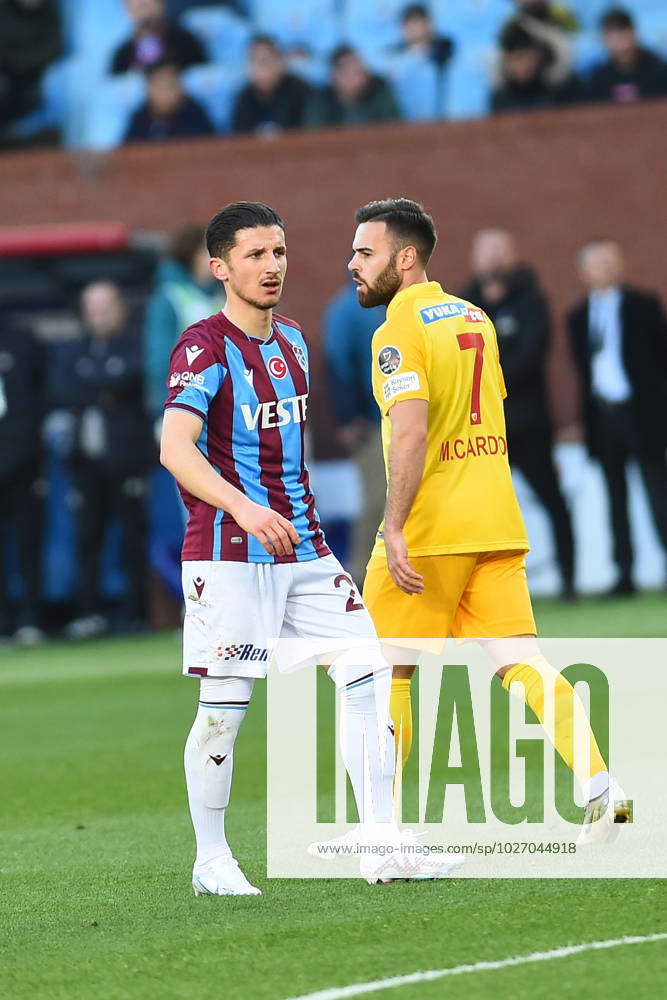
223	227
616	19
415	10
515	38
409	222
341	53
267	41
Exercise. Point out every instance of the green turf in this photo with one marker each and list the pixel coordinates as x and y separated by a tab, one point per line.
96	851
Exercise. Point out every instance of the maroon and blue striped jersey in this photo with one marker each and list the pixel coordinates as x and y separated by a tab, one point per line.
251	395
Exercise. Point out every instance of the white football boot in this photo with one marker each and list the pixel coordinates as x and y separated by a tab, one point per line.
222	877
603	815
406	860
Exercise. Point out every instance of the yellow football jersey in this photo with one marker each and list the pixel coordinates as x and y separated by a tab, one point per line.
437	347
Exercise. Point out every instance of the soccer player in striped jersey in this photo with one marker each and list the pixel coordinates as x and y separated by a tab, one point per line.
256	565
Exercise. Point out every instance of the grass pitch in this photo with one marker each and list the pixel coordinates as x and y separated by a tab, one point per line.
96	850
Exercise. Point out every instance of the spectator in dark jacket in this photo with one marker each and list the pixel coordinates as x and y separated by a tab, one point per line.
155	40
631	72
99	379
511	296
524	83
273	99
420	35
551	25
169	113
22	405
29	40
355	96
619	342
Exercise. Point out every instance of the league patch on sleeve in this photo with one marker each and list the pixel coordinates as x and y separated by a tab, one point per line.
397	384
390	359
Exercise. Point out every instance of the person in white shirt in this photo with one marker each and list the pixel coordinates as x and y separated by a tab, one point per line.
619	340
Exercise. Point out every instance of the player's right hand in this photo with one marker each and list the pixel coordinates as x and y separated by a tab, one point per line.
275	532
402	573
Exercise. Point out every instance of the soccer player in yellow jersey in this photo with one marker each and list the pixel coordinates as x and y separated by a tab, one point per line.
450	554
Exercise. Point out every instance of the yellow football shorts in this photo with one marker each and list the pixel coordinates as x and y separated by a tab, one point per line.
480	595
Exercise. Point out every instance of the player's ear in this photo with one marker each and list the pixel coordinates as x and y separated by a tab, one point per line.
407	258
218	268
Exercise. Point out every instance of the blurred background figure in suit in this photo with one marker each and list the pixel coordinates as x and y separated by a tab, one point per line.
619	341
99	379
510	294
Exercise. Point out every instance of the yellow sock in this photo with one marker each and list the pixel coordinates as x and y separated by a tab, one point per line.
400	708
531	675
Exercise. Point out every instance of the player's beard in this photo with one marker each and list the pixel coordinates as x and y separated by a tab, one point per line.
382	292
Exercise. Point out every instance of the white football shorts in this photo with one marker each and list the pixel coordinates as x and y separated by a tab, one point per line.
238	616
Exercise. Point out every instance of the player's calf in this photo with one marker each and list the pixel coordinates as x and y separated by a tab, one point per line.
208	759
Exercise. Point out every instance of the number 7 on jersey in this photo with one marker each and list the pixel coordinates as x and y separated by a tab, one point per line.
470	341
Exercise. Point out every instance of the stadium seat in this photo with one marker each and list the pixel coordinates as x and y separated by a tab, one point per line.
94	30
314	69
373	26
467	88
215	86
224	34
109	109
587	51
65	86
589	12
293	23
416	83
472	22
652	27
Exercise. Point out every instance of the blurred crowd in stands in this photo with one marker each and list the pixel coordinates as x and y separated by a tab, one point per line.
90	525
94	75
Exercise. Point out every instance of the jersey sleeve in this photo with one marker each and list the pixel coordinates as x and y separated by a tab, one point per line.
399	361
496	360
194	376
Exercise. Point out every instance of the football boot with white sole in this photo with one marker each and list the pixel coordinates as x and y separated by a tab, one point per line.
221	877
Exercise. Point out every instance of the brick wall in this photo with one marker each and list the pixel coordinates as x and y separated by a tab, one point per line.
556	179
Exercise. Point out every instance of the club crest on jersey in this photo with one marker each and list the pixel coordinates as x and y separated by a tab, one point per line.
277	367
389	359
300	356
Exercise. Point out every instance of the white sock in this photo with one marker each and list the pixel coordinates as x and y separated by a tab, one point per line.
209	759
366	736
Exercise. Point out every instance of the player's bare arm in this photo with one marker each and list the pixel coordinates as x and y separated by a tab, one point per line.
409	423
179	454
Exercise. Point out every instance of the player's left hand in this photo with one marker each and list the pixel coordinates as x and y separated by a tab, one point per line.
400	569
